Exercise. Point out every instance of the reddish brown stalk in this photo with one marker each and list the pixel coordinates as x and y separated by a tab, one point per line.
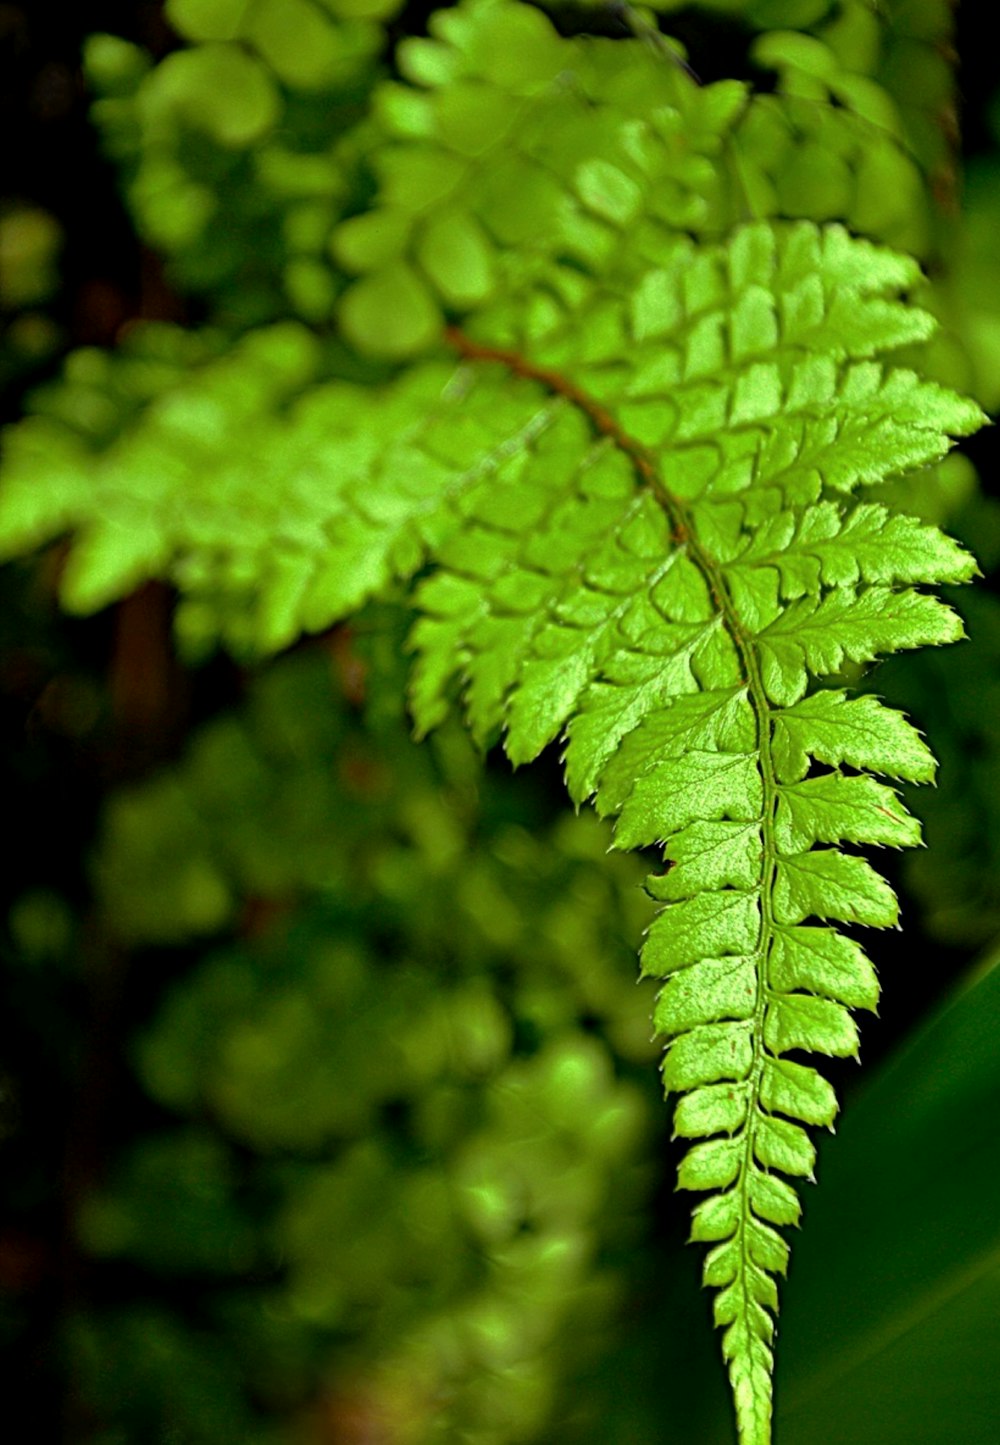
603	422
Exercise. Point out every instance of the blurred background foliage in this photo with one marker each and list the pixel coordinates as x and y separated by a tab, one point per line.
412	1117
328	1102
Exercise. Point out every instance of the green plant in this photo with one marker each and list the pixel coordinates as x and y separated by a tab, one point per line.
455	1081
610	396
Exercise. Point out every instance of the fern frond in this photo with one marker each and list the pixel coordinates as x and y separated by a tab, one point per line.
846	134
511	148
630	505
668	611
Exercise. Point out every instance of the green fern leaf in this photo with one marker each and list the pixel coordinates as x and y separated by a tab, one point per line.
671	624
654	556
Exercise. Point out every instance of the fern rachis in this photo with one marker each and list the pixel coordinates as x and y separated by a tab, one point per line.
746	981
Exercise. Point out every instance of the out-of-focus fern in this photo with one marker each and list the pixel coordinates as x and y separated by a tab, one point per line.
861	125
368	1024
623	464
239	152
30	241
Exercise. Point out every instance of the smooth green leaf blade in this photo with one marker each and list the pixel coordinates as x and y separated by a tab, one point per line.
750	1366
868	544
772	1198
902	1248
711	1165
876	545
716	1217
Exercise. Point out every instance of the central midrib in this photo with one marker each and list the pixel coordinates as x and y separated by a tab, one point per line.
684	533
